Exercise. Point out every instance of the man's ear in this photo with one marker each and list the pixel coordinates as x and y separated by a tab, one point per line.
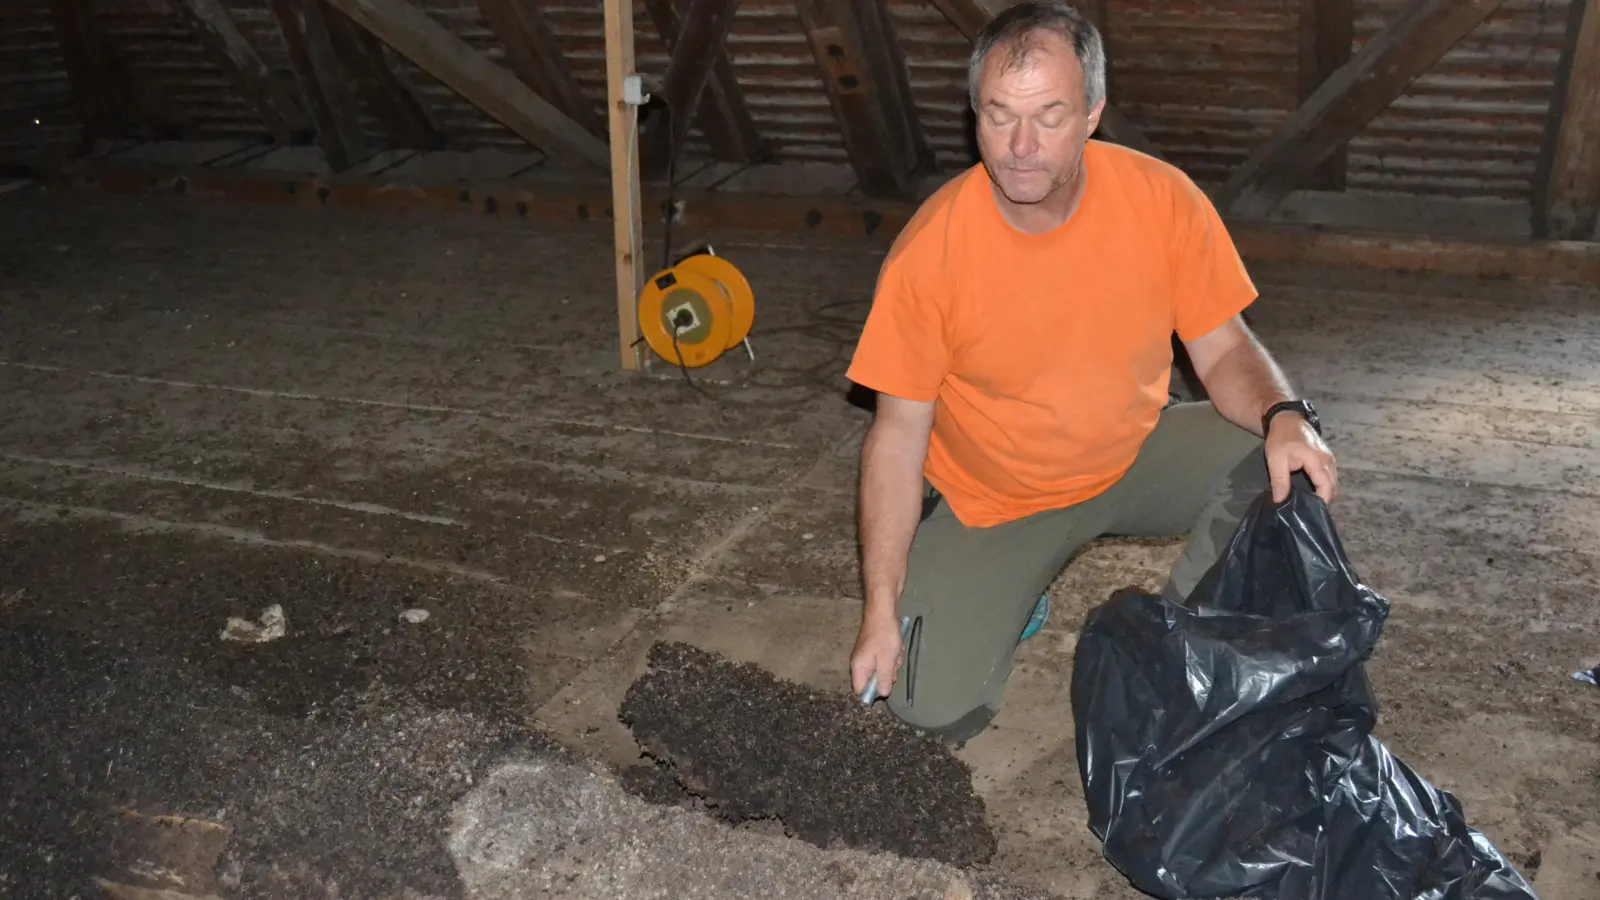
1094	117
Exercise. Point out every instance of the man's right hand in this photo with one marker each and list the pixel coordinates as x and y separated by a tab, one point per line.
891	505
878	652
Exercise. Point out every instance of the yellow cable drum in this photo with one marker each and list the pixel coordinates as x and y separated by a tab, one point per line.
693	312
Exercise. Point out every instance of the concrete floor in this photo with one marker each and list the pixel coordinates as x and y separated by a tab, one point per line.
207	409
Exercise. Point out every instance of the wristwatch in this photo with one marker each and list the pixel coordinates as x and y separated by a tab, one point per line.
1303	407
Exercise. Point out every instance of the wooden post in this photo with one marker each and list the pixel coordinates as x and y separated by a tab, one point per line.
1327	36
1566	189
627	224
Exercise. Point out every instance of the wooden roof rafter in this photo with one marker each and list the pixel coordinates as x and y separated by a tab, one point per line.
864	73
1327	36
385	86
323	80
535	56
700	86
1347	100
1566	200
216	29
492	88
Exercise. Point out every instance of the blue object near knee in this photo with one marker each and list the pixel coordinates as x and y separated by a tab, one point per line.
1041	614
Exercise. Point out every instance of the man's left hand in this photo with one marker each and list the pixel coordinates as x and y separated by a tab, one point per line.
1292	446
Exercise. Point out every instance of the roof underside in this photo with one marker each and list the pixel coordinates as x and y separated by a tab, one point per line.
1205	81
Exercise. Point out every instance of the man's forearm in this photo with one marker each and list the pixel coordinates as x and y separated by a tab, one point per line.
890	506
1244	382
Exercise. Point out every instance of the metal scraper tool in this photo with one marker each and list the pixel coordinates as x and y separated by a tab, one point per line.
870	692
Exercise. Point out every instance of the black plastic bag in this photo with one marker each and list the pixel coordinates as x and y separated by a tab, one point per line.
1226	747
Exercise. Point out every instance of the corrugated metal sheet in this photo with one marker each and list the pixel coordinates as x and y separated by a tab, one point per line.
1207	80
1472	125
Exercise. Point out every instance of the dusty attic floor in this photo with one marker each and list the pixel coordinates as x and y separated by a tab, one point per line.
207	409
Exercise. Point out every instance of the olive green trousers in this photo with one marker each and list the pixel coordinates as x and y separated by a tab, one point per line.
970	591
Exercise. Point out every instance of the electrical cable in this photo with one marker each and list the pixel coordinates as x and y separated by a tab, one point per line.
840	332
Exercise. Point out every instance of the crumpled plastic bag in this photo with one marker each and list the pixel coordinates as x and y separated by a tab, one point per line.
1225	745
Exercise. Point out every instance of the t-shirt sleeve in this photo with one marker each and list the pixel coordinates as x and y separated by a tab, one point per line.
1210	282
902	351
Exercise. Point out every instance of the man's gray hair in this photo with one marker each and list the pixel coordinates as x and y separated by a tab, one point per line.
1012	32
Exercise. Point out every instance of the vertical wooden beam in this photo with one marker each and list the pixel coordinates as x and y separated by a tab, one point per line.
722	113
212	23
1385	66
414	34
627	222
334	105
1567	185
1327	33
868	88
534	55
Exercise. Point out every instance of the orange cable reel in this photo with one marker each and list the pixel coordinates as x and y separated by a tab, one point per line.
695	311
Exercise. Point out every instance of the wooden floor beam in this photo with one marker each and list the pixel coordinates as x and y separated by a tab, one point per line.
573	204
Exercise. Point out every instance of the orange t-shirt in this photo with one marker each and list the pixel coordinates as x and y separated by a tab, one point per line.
1048	355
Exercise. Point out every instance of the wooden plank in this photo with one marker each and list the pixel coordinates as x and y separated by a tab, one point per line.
574	203
1567	193
328	88
388	92
479	80
627	217
1327	33
214	26
535	56
969	17
1351	97
722	113
869	90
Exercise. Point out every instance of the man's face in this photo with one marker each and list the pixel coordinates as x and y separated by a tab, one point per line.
1032	123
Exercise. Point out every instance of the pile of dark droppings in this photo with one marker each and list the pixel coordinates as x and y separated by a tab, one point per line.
753	747
347	802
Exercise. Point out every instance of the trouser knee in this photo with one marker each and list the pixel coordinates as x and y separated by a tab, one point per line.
947	726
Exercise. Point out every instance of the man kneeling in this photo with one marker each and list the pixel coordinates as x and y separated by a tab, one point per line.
1020	341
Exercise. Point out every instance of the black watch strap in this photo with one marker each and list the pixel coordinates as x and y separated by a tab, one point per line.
1303	407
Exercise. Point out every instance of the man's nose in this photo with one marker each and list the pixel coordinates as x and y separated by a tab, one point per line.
1023	140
